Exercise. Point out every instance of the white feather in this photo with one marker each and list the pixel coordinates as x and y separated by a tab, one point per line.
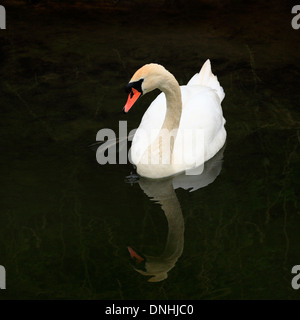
201	110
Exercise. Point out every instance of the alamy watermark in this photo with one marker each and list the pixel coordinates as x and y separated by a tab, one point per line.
155	147
296	19
2	277
2	17
296	279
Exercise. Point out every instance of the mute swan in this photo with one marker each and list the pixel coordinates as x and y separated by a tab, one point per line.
182	128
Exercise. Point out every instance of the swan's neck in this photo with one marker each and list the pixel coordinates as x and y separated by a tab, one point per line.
170	87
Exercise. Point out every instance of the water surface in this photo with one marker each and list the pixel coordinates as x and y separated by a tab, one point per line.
66	221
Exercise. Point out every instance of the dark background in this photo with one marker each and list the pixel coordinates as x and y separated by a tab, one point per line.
65	221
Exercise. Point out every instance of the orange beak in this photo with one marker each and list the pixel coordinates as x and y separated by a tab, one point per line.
132	97
135	256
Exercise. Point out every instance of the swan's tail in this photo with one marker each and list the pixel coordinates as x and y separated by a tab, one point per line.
206	78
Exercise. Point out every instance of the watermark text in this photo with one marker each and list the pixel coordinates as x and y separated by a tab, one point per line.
181	148
296	19
2	17
2	277
296	279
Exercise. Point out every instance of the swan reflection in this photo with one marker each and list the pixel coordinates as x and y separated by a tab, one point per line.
163	192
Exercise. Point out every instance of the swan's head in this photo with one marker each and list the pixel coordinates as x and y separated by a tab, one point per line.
156	267
146	79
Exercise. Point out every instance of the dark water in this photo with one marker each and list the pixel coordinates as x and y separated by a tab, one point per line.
66	221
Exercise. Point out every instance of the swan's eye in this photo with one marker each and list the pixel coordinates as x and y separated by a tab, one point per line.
137	85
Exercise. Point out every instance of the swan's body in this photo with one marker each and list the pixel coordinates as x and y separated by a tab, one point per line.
191	113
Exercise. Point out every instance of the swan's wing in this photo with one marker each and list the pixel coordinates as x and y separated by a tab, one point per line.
202	118
206	78
201	111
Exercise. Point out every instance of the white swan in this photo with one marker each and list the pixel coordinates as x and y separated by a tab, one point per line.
182	128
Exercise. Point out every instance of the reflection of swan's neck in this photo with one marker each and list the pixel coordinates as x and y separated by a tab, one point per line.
172	210
164	194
